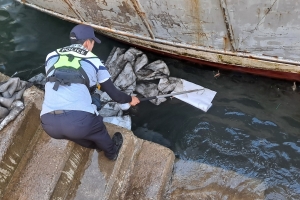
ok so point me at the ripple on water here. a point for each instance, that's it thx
(267, 123)
(266, 159)
(4, 16)
(293, 146)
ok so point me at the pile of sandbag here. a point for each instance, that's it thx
(131, 72)
(11, 100)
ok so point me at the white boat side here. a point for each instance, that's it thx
(259, 37)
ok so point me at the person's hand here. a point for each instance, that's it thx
(134, 101)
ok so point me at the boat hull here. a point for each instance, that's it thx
(262, 38)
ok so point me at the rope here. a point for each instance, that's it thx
(27, 70)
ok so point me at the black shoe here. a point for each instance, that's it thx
(118, 141)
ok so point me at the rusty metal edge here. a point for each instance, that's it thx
(201, 53)
(74, 10)
(137, 6)
(228, 24)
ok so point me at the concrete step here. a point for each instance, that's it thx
(151, 173)
(13, 144)
(17, 136)
(39, 169)
(35, 166)
(193, 181)
(72, 173)
(141, 171)
(103, 178)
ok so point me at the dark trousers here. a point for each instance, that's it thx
(83, 128)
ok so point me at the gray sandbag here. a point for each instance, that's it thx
(148, 90)
(167, 85)
(15, 110)
(159, 66)
(11, 93)
(6, 102)
(126, 78)
(131, 54)
(155, 70)
(114, 54)
(38, 79)
(103, 96)
(111, 109)
(3, 112)
(19, 94)
(140, 62)
(7, 88)
(117, 67)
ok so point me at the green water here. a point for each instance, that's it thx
(252, 127)
(27, 36)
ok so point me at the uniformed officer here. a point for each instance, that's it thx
(67, 110)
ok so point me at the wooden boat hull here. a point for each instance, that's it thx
(259, 37)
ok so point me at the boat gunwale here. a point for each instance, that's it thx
(293, 66)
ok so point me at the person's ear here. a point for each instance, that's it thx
(91, 44)
(88, 44)
(85, 44)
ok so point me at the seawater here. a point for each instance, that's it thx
(252, 127)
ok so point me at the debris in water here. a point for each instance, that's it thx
(294, 87)
(217, 74)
